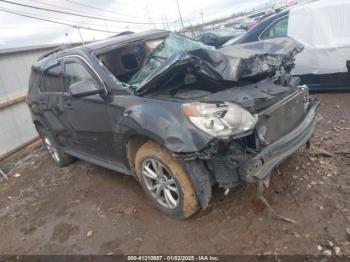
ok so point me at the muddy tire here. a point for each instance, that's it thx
(165, 181)
(61, 159)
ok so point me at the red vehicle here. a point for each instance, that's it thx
(256, 21)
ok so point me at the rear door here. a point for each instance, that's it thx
(50, 99)
(89, 126)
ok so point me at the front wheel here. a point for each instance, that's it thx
(165, 181)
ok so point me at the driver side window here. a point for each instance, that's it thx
(76, 73)
(278, 29)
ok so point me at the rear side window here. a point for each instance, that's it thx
(75, 73)
(52, 80)
(34, 78)
(278, 29)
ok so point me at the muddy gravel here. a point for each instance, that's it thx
(85, 209)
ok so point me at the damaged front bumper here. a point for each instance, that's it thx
(259, 167)
(228, 163)
(227, 166)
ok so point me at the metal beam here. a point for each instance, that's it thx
(18, 148)
(11, 102)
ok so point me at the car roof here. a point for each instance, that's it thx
(122, 39)
(274, 16)
(98, 45)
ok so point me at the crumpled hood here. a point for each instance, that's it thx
(253, 97)
(230, 64)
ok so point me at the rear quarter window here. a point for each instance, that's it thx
(51, 81)
(34, 78)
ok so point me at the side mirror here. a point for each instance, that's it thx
(85, 88)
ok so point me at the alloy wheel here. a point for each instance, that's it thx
(52, 150)
(161, 183)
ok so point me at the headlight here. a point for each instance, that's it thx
(220, 120)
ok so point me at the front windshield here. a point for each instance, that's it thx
(160, 50)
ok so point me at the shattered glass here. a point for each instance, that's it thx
(169, 46)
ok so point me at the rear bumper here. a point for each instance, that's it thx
(259, 167)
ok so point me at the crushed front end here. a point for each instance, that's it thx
(279, 131)
(277, 116)
(242, 112)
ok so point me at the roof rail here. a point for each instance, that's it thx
(56, 50)
(123, 33)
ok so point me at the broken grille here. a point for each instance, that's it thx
(281, 118)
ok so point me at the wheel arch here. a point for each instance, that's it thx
(132, 146)
(38, 125)
(164, 124)
(196, 170)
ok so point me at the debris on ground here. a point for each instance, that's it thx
(264, 200)
(348, 232)
(330, 244)
(327, 252)
(125, 210)
(337, 251)
(2, 173)
(89, 234)
(323, 152)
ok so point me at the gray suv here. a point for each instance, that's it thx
(174, 113)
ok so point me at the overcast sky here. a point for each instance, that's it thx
(22, 31)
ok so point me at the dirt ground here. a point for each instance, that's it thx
(85, 209)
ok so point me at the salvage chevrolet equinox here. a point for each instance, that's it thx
(174, 113)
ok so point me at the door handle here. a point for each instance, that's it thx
(42, 103)
(68, 106)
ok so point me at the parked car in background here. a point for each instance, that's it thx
(237, 26)
(252, 23)
(272, 27)
(256, 21)
(218, 37)
(322, 27)
(174, 113)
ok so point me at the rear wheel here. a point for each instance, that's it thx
(165, 181)
(60, 158)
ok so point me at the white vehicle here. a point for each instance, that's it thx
(323, 28)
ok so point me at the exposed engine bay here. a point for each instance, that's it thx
(178, 67)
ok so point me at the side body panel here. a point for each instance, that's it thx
(47, 107)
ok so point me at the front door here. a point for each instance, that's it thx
(89, 127)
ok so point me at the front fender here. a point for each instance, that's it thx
(165, 124)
